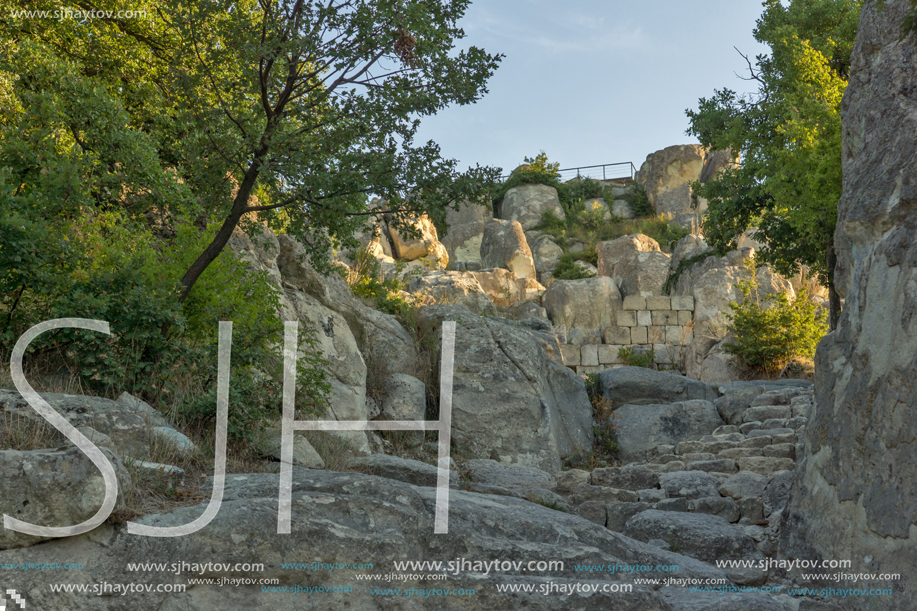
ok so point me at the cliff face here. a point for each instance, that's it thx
(856, 496)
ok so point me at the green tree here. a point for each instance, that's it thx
(292, 109)
(789, 136)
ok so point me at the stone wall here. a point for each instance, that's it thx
(663, 324)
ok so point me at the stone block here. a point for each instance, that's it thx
(665, 317)
(608, 354)
(634, 302)
(626, 318)
(683, 303)
(589, 355)
(658, 303)
(656, 335)
(644, 318)
(765, 465)
(639, 335)
(618, 335)
(678, 335)
(588, 370)
(661, 354)
(685, 317)
(570, 354)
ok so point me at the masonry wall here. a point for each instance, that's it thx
(662, 324)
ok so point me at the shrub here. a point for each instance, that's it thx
(631, 359)
(605, 433)
(567, 269)
(537, 171)
(767, 336)
(639, 201)
(368, 282)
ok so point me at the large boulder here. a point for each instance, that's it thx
(642, 386)
(417, 239)
(345, 518)
(510, 402)
(670, 168)
(404, 398)
(506, 289)
(705, 537)
(546, 253)
(588, 304)
(504, 245)
(53, 488)
(527, 204)
(854, 494)
(462, 239)
(636, 263)
(460, 288)
(643, 427)
(688, 247)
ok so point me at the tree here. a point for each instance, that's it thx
(294, 110)
(789, 136)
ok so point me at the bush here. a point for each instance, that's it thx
(369, 283)
(631, 359)
(639, 201)
(537, 171)
(567, 269)
(768, 336)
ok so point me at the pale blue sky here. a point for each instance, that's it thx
(592, 82)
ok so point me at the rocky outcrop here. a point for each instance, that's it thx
(462, 239)
(510, 402)
(670, 168)
(527, 203)
(642, 428)
(461, 288)
(588, 304)
(636, 264)
(418, 239)
(506, 289)
(504, 245)
(854, 496)
(546, 253)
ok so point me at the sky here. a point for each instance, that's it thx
(593, 82)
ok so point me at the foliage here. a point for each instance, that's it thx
(788, 135)
(369, 282)
(768, 335)
(632, 359)
(567, 269)
(639, 201)
(293, 112)
(605, 446)
(537, 171)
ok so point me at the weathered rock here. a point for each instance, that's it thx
(589, 304)
(705, 537)
(744, 485)
(527, 203)
(404, 397)
(504, 245)
(641, 427)
(635, 263)
(765, 465)
(463, 242)
(689, 484)
(452, 288)
(725, 508)
(53, 488)
(604, 494)
(718, 366)
(349, 515)
(567, 481)
(670, 168)
(625, 478)
(304, 455)
(618, 513)
(594, 511)
(424, 244)
(778, 491)
(505, 289)
(639, 385)
(400, 469)
(514, 477)
(688, 247)
(166, 436)
(684, 599)
(622, 209)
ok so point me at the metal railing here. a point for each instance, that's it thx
(623, 171)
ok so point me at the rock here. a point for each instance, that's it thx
(53, 488)
(705, 537)
(641, 427)
(635, 263)
(463, 242)
(765, 465)
(404, 398)
(304, 455)
(567, 481)
(520, 479)
(604, 494)
(670, 168)
(175, 441)
(546, 253)
(686, 248)
(401, 469)
(594, 511)
(546, 498)
(127, 422)
(527, 203)
(452, 288)
(725, 508)
(744, 485)
(675, 202)
(618, 513)
(676, 504)
(778, 491)
(684, 599)
(722, 465)
(622, 209)
(599, 206)
(589, 304)
(625, 478)
(351, 515)
(639, 385)
(689, 484)
(504, 245)
(379, 336)
(423, 244)
(510, 400)
(505, 289)
(100, 439)
(468, 212)
(716, 162)
(719, 367)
